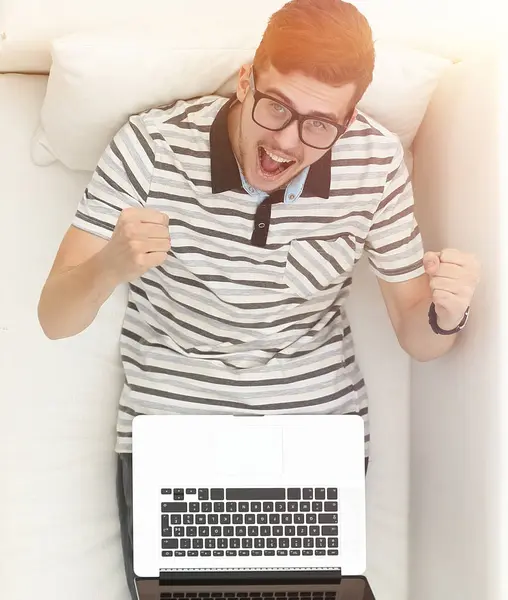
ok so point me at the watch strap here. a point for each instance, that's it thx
(434, 324)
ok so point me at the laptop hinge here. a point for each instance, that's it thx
(254, 577)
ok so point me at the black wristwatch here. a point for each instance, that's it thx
(438, 330)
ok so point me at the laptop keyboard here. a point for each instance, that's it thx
(289, 595)
(202, 522)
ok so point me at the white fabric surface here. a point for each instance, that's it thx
(58, 400)
(99, 79)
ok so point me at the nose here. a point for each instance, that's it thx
(288, 138)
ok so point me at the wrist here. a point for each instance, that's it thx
(105, 270)
(446, 326)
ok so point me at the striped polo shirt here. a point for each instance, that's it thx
(225, 326)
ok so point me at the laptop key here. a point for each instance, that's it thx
(332, 494)
(271, 542)
(243, 507)
(216, 531)
(204, 531)
(230, 552)
(255, 506)
(194, 507)
(262, 519)
(174, 507)
(295, 553)
(274, 519)
(179, 531)
(302, 530)
(326, 518)
(259, 543)
(331, 530)
(206, 507)
(280, 506)
(188, 519)
(192, 553)
(294, 494)
(167, 531)
(225, 519)
(178, 494)
(317, 507)
(213, 519)
(180, 553)
(234, 543)
(266, 531)
(205, 553)
(256, 553)
(277, 531)
(333, 542)
(331, 507)
(320, 542)
(320, 493)
(197, 544)
(250, 519)
(191, 531)
(320, 552)
(269, 552)
(307, 552)
(311, 518)
(256, 494)
(282, 552)
(238, 519)
(231, 507)
(228, 531)
(218, 552)
(170, 544)
(200, 519)
(241, 531)
(314, 530)
(308, 494)
(289, 530)
(185, 544)
(210, 543)
(176, 519)
(166, 491)
(305, 506)
(292, 506)
(299, 519)
(296, 542)
(308, 543)
(287, 519)
(283, 542)
(267, 506)
(167, 553)
(217, 494)
(253, 531)
(243, 553)
(222, 543)
(203, 494)
(219, 507)
(247, 543)
(333, 552)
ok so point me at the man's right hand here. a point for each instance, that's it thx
(140, 242)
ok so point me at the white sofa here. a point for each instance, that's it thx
(436, 507)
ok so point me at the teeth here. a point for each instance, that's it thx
(277, 158)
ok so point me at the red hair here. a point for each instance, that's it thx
(328, 40)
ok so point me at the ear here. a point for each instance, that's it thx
(243, 84)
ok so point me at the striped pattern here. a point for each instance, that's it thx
(226, 327)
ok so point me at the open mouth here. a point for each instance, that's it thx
(272, 165)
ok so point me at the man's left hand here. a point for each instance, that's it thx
(453, 276)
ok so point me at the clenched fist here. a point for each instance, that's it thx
(140, 242)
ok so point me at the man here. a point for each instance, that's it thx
(238, 223)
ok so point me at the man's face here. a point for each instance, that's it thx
(259, 151)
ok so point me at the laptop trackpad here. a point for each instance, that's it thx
(253, 450)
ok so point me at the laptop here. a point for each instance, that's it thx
(234, 507)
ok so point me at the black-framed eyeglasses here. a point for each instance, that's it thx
(272, 114)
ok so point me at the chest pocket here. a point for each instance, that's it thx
(314, 265)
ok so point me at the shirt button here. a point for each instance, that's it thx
(261, 225)
(251, 190)
(291, 196)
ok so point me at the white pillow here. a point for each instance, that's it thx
(99, 79)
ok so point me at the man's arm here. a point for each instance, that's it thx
(450, 281)
(115, 238)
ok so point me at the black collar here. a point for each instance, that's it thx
(224, 168)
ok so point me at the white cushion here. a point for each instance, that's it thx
(99, 79)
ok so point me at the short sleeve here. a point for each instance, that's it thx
(121, 180)
(394, 245)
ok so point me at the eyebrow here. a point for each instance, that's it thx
(314, 113)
